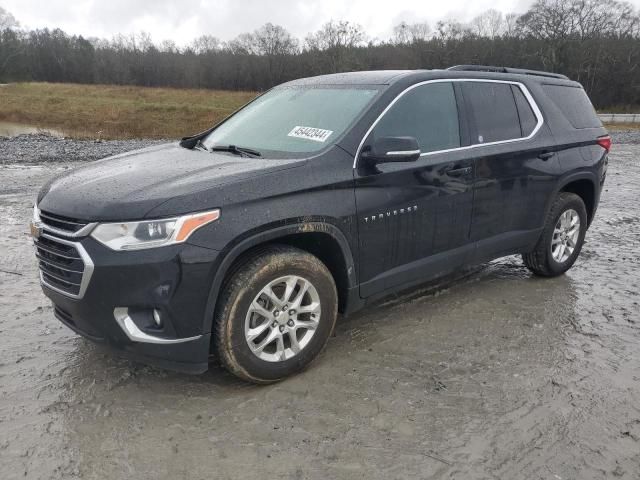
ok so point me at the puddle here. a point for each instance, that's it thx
(497, 375)
(11, 129)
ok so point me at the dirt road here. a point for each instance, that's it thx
(496, 375)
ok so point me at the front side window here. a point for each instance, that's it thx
(427, 112)
(494, 112)
(293, 120)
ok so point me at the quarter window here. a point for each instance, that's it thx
(574, 104)
(493, 110)
(528, 120)
(428, 112)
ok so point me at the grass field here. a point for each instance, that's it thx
(111, 111)
(108, 111)
(617, 127)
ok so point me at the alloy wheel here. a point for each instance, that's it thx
(282, 318)
(565, 235)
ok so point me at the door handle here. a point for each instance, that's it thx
(546, 155)
(458, 172)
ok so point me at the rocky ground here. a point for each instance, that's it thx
(43, 148)
(494, 375)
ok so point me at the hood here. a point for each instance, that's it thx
(128, 186)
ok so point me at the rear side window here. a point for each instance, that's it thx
(528, 120)
(428, 112)
(494, 112)
(574, 105)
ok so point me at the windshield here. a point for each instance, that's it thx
(293, 119)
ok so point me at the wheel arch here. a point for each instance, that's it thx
(585, 188)
(583, 184)
(322, 239)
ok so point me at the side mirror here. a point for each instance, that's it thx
(392, 149)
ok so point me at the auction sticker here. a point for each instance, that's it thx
(310, 133)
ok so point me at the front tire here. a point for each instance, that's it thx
(276, 314)
(561, 239)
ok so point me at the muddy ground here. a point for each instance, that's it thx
(496, 375)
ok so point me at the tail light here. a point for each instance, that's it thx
(605, 142)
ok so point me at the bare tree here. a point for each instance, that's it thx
(7, 20)
(272, 43)
(624, 20)
(549, 19)
(342, 34)
(275, 44)
(206, 43)
(11, 46)
(447, 30)
(490, 24)
(562, 19)
(142, 40)
(596, 42)
(333, 46)
(406, 33)
(243, 44)
(511, 28)
(267, 40)
(605, 18)
(168, 46)
(274, 40)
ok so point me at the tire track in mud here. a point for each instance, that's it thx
(493, 374)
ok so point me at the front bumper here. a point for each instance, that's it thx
(125, 287)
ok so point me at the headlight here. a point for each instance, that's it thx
(151, 233)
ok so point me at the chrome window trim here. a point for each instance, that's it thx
(131, 330)
(86, 275)
(523, 88)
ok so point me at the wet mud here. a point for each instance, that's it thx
(496, 374)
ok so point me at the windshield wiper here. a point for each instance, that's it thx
(245, 152)
(200, 146)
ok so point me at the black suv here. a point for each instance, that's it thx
(318, 197)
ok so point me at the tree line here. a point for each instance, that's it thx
(596, 42)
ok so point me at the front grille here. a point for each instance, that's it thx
(63, 265)
(59, 222)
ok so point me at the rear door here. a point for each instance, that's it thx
(414, 217)
(515, 166)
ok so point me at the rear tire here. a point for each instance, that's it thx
(561, 239)
(275, 314)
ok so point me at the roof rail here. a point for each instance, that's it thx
(519, 71)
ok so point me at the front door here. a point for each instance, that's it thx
(414, 217)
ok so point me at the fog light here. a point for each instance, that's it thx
(135, 334)
(156, 317)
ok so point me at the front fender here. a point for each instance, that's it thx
(236, 248)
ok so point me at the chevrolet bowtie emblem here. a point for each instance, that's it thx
(36, 229)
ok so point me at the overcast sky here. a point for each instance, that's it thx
(183, 20)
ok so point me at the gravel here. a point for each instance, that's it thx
(629, 137)
(497, 375)
(40, 148)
